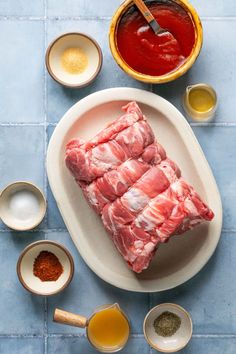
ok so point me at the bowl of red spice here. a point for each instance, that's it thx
(45, 268)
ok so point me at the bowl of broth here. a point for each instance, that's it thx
(107, 328)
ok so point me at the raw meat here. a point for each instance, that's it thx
(138, 191)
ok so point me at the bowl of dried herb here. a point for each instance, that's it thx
(168, 328)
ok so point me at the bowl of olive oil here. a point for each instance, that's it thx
(200, 102)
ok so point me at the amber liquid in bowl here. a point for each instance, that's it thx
(108, 329)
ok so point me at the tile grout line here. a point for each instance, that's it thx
(58, 335)
(21, 18)
(55, 18)
(50, 124)
(212, 335)
(45, 329)
(95, 18)
(45, 173)
(83, 335)
(45, 112)
(150, 304)
(50, 230)
(79, 18)
(211, 124)
(21, 336)
(23, 124)
(217, 18)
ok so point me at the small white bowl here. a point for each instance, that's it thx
(25, 266)
(168, 344)
(74, 40)
(6, 214)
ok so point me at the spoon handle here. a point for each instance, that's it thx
(147, 15)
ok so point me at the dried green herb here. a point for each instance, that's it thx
(167, 324)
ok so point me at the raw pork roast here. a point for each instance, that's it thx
(138, 191)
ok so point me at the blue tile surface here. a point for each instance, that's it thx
(89, 9)
(210, 296)
(82, 8)
(22, 154)
(60, 99)
(22, 8)
(209, 346)
(22, 71)
(28, 96)
(207, 69)
(21, 312)
(81, 299)
(81, 346)
(22, 345)
(54, 219)
(219, 144)
(219, 8)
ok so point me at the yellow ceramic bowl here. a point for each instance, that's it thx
(166, 77)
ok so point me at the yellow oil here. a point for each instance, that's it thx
(201, 100)
(108, 328)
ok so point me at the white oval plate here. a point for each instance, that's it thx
(176, 261)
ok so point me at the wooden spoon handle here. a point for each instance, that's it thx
(69, 318)
(144, 10)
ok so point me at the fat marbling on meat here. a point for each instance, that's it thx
(137, 190)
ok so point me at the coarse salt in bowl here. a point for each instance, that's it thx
(22, 206)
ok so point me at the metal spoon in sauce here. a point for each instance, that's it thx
(157, 29)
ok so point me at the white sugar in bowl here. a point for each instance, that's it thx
(22, 206)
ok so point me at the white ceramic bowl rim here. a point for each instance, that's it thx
(164, 306)
(54, 167)
(67, 84)
(37, 191)
(41, 242)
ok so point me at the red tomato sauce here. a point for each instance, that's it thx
(152, 54)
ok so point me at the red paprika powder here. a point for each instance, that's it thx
(47, 266)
